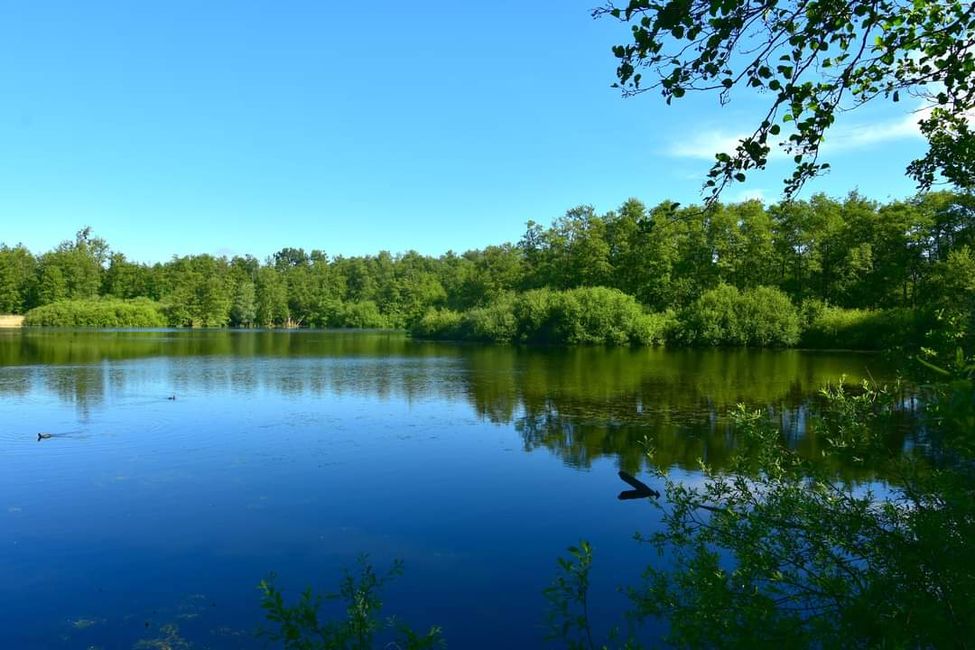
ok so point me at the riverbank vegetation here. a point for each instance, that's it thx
(819, 273)
(583, 315)
(107, 312)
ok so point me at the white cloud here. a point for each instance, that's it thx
(865, 134)
(704, 144)
(862, 135)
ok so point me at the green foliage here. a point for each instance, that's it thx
(589, 315)
(97, 313)
(810, 61)
(199, 292)
(568, 599)
(913, 256)
(300, 626)
(761, 317)
(360, 315)
(827, 327)
(494, 322)
(438, 324)
(73, 270)
(568, 614)
(598, 315)
(243, 309)
(954, 283)
(17, 279)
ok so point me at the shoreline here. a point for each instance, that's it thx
(10, 321)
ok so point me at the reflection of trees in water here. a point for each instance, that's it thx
(70, 363)
(54, 346)
(580, 403)
(587, 403)
(83, 386)
(580, 439)
(682, 437)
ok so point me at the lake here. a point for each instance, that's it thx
(148, 522)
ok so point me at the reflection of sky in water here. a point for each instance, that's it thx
(143, 512)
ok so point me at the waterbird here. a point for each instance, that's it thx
(44, 436)
(640, 489)
(171, 398)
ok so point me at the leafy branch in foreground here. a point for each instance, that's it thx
(774, 551)
(568, 603)
(813, 59)
(300, 626)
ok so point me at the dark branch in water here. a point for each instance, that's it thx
(640, 489)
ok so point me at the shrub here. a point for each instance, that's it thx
(495, 322)
(595, 315)
(304, 625)
(535, 317)
(360, 315)
(140, 312)
(763, 317)
(768, 318)
(712, 319)
(653, 328)
(438, 324)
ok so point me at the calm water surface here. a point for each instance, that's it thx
(145, 521)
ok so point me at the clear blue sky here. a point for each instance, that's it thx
(243, 127)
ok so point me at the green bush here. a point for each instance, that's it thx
(762, 317)
(495, 322)
(712, 319)
(442, 324)
(591, 315)
(653, 328)
(534, 312)
(768, 318)
(361, 315)
(140, 312)
(595, 315)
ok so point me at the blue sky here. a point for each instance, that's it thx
(243, 127)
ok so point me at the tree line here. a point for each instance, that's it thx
(822, 253)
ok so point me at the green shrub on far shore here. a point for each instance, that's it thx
(594, 315)
(759, 317)
(140, 312)
(360, 315)
(441, 324)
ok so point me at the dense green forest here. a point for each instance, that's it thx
(816, 272)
